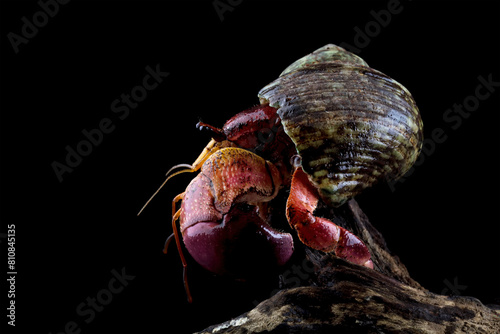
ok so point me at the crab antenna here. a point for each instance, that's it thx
(207, 151)
(189, 168)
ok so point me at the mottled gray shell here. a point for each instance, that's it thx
(352, 125)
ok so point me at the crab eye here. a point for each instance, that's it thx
(296, 161)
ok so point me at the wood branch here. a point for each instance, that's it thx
(345, 298)
(351, 216)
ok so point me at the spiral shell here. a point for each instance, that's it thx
(351, 125)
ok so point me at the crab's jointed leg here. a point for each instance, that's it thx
(175, 217)
(321, 233)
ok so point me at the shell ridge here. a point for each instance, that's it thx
(352, 125)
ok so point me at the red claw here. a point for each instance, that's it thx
(321, 233)
(241, 245)
(220, 222)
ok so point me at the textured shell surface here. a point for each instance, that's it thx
(352, 125)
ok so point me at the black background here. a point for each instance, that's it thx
(442, 221)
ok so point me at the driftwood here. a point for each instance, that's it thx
(346, 298)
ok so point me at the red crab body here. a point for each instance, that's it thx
(224, 218)
(328, 127)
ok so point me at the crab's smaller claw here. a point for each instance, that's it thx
(321, 233)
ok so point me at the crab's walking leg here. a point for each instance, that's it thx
(175, 217)
(321, 233)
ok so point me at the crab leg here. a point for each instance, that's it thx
(175, 216)
(321, 233)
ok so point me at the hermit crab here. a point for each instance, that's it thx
(327, 128)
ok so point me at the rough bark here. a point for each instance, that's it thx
(346, 298)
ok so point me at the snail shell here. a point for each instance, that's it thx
(351, 125)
